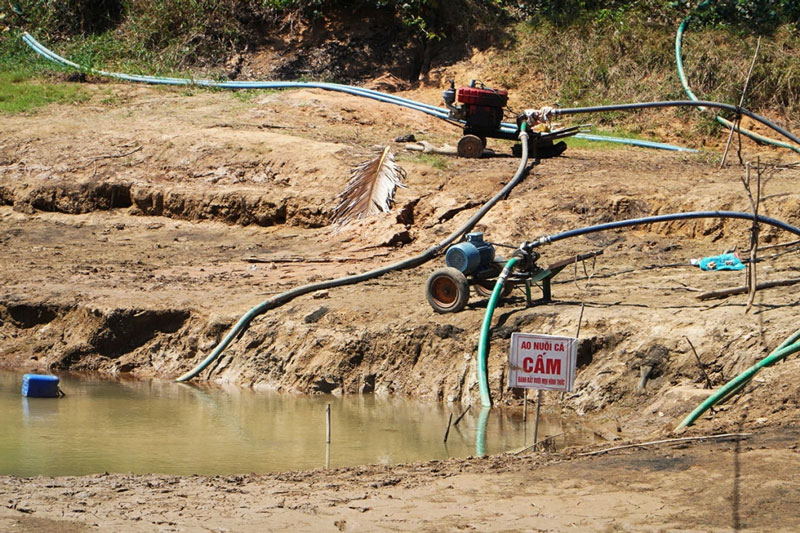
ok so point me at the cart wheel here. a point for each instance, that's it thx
(485, 288)
(447, 290)
(470, 146)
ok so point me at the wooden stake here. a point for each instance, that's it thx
(536, 422)
(328, 424)
(455, 424)
(447, 432)
(751, 281)
(328, 436)
(524, 417)
(524, 406)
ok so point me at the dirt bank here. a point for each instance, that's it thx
(137, 227)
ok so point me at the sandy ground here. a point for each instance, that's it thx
(137, 227)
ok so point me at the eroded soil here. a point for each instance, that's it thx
(138, 227)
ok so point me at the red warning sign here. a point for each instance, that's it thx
(542, 362)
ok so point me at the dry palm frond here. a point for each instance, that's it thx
(371, 189)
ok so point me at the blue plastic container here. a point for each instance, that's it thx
(40, 386)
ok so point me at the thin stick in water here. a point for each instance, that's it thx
(455, 424)
(328, 424)
(447, 432)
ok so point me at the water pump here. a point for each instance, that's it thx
(471, 256)
(480, 109)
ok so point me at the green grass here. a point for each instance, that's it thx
(18, 93)
(436, 161)
(248, 95)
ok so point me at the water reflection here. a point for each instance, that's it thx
(165, 427)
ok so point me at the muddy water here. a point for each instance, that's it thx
(170, 428)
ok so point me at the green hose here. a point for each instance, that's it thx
(727, 123)
(483, 343)
(789, 346)
(480, 432)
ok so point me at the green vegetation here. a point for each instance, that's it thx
(570, 52)
(436, 161)
(18, 93)
(630, 57)
(252, 94)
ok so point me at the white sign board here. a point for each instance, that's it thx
(542, 362)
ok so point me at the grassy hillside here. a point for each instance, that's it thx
(567, 51)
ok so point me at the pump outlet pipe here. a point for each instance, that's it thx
(789, 346)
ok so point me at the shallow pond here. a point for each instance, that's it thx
(171, 428)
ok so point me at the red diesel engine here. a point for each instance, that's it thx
(481, 109)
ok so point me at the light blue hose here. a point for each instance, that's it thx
(438, 112)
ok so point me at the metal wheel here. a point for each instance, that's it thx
(447, 290)
(485, 288)
(470, 146)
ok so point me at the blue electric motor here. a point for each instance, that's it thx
(470, 256)
(40, 386)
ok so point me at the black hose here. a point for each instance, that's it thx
(427, 255)
(661, 218)
(677, 103)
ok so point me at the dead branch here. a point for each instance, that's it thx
(539, 444)
(116, 156)
(779, 245)
(686, 287)
(699, 363)
(455, 424)
(737, 121)
(295, 260)
(722, 293)
(668, 441)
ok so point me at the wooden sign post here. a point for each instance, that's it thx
(542, 362)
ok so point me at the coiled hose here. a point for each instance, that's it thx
(427, 255)
(483, 342)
